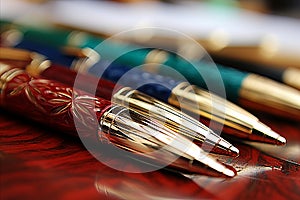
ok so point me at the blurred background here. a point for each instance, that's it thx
(257, 31)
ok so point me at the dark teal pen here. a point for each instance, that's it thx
(248, 90)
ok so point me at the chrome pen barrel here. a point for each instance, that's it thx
(174, 119)
(136, 133)
(159, 111)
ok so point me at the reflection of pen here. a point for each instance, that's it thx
(237, 122)
(62, 107)
(249, 90)
(174, 119)
(148, 186)
(287, 75)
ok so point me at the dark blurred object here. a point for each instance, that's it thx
(283, 5)
(289, 8)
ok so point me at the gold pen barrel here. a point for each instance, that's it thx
(174, 119)
(211, 108)
(291, 76)
(260, 93)
(222, 115)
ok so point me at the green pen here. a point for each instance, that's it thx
(249, 90)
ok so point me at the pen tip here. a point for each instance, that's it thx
(281, 140)
(235, 151)
(229, 172)
(223, 147)
(263, 133)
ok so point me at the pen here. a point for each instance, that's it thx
(135, 100)
(237, 122)
(287, 75)
(249, 90)
(59, 106)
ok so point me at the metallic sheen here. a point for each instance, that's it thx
(236, 120)
(291, 77)
(153, 140)
(175, 120)
(281, 99)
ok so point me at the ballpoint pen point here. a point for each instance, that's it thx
(224, 148)
(267, 135)
(282, 140)
(235, 151)
(229, 172)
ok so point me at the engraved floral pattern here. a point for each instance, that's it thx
(33, 94)
(53, 99)
(83, 109)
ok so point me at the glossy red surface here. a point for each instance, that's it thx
(38, 163)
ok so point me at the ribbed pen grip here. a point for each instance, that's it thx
(49, 102)
(154, 85)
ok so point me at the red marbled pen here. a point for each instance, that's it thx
(74, 111)
(178, 121)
